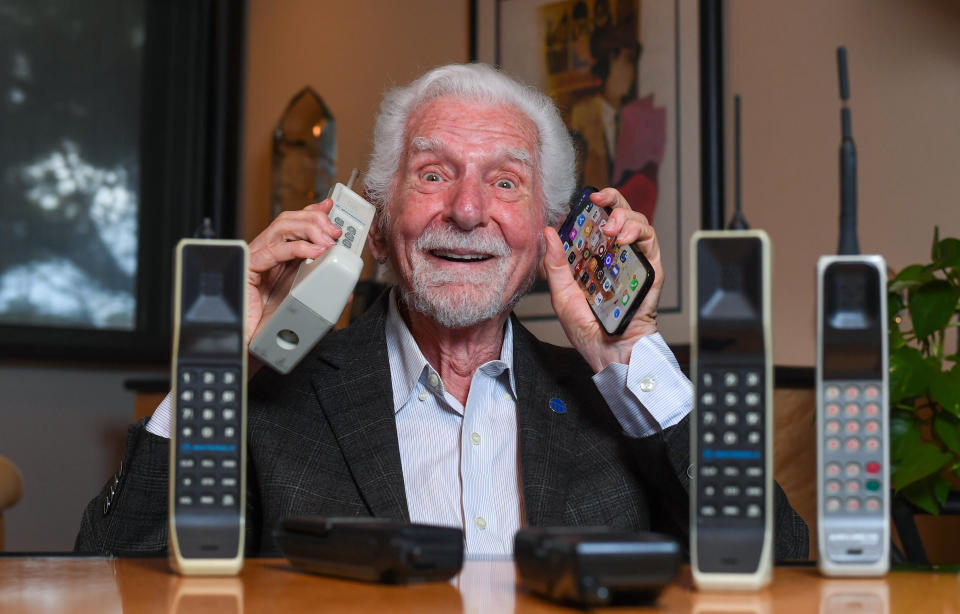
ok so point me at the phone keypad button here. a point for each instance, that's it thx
(731, 510)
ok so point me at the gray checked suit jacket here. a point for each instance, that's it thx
(323, 440)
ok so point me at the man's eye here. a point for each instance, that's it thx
(506, 184)
(431, 177)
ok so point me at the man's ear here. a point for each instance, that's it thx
(377, 240)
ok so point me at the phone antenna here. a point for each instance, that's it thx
(737, 222)
(848, 243)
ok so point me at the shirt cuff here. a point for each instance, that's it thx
(650, 394)
(159, 422)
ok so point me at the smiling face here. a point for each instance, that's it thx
(464, 224)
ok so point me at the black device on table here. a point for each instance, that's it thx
(595, 566)
(614, 278)
(208, 427)
(371, 549)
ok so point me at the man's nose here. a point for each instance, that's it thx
(468, 206)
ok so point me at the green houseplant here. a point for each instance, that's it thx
(924, 379)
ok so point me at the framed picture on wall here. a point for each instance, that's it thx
(625, 76)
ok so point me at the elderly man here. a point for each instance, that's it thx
(437, 406)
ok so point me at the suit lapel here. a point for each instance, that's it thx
(353, 386)
(545, 437)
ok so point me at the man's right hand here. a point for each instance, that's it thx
(292, 237)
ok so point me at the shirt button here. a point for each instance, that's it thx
(423, 395)
(481, 523)
(647, 384)
(434, 380)
(475, 438)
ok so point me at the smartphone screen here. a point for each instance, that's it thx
(614, 278)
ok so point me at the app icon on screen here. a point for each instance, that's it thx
(634, 283)
(598, 299)
(578, 268)
(608, 260)
(586, 254)
(573, 234)
(571, 257)
(591, 289)
(592, 265)
(623, 256)
(584, 278)
(615, 270)
(601, 250)
(581, 219)
(566, 246)
(625, 298)
(606, 285)
(616, 312)
(600, 274)
(587, 229)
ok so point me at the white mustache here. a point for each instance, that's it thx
(475, 241)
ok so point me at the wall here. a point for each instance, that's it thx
(349, 52)
(64, 427)
(904, 60)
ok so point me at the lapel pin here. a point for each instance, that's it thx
(558, 406)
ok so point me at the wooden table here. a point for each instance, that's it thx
(133, 585)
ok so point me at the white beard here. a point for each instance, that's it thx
(449, 299)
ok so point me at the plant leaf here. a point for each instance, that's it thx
(894, 304)
(941, 488)
(931, 306)
(910, 373)
(911, 276)
(904, 435)
(923, 495)
(948, 433)
(945, 388)
(921, 461)
(949, 253)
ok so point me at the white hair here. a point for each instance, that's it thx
(488, 85)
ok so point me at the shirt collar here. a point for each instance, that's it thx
(408, 366)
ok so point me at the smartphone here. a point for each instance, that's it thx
(615, 278)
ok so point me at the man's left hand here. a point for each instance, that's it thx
(579, 323)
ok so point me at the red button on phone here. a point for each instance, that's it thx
(873, 467)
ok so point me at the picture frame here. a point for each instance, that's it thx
(526, 39)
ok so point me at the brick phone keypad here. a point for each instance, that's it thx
(349, 230)
(852, 447)
(208, 438)
(730, 407)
